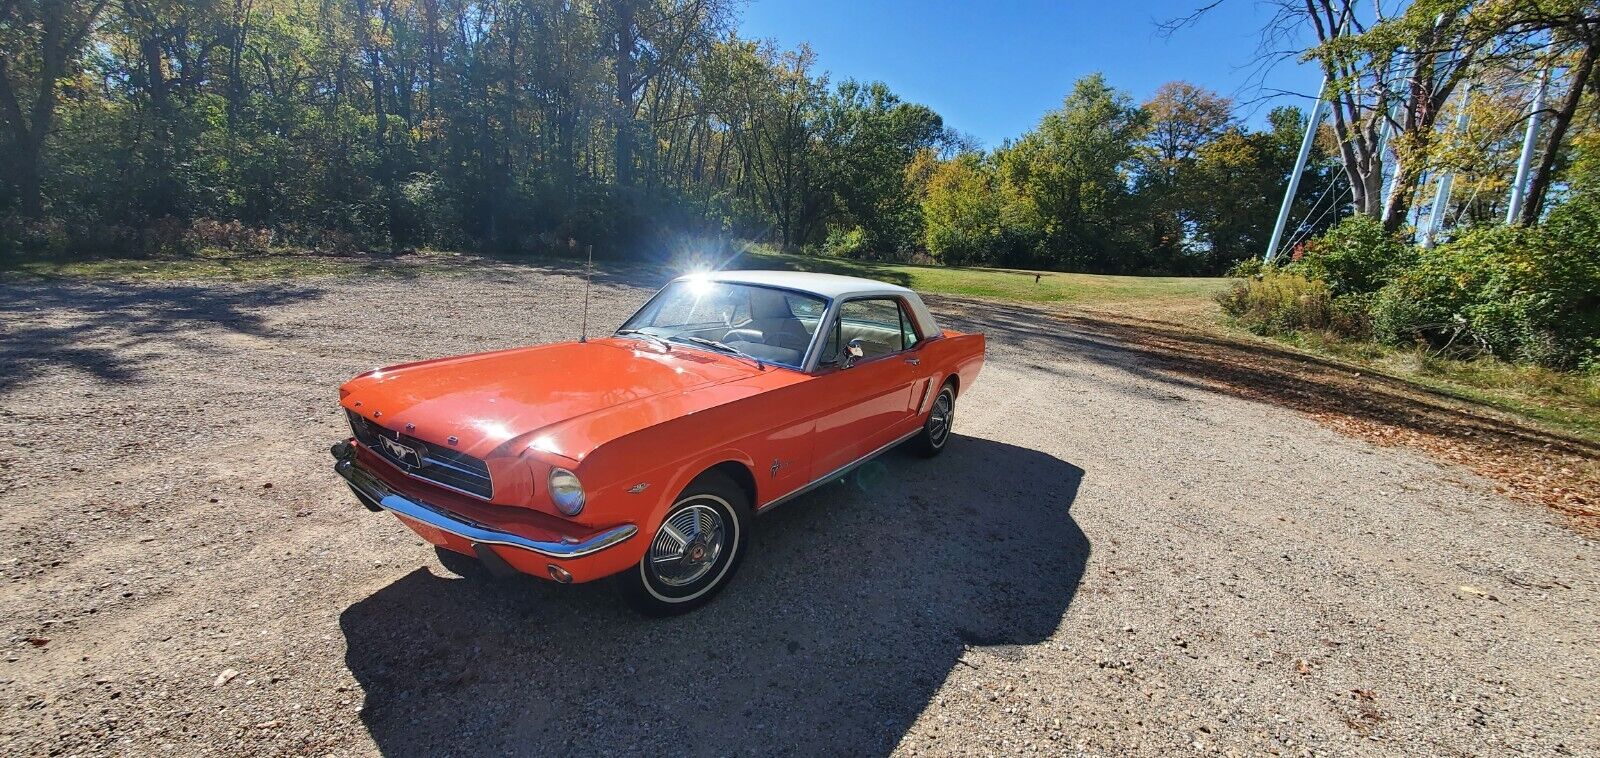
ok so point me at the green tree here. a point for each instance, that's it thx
(40, 45)
(964, 212)
(1184, 120)
(1073, 174)
(875, 138)
(1235, 186)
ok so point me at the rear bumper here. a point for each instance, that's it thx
(465, 535)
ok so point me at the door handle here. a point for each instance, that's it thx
(914, 361)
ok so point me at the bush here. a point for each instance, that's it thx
(1528, 295)
(1247, 268)
(226, 235)
(1356, 256)
(845, 242)
(1278, 302)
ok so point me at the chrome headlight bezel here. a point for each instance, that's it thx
(566, 491)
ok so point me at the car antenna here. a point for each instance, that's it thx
(588, 273)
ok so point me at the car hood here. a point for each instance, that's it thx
(489, 399)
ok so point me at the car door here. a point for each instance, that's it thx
(870, 401)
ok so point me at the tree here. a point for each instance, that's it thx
(1577, 25)
(1183, 119)
(1236, 185)
(964, 212)
(771, 105)
(875, 137)
(42, 40)
(1073, 172)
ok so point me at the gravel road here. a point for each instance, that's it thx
(1110, 559)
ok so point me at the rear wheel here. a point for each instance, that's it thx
(936, 429)
(694, 552)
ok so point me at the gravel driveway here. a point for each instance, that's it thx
(1110, 559)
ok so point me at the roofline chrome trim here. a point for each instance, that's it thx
(835, 474)
(370, 488)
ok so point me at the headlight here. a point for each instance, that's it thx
(566, 491)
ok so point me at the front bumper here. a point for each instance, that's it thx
(377, 494)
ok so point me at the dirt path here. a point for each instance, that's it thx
(1114, 557)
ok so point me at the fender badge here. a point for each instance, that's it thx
(638, 488)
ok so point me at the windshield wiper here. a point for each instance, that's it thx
(656, 338)
(721, 347)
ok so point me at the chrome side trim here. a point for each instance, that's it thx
(373, 490)
(835, 474)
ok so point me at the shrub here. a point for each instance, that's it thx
(1278, 302)
(1247, 268)
(1524, 294)
(226, 235)
(1355, 256)
(847, 242)
(163, 236)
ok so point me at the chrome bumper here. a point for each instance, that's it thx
(373, 492)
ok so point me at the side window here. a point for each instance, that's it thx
(880, 323)
(908, 328)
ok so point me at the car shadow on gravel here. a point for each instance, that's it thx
(855, 603)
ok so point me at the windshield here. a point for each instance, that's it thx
(770, 325)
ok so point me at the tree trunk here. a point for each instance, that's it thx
(60, 39)
(30, 175)
(624, 68)
(1397, 206)
(1558, 132)
(380, 136)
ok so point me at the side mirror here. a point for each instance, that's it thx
(853, 352)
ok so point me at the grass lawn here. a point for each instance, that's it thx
(999, 283)
(1562, 400)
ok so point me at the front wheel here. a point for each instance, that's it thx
(694, 552)
(936, 429)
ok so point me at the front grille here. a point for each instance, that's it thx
(424, 460)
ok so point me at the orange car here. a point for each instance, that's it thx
(644, 455)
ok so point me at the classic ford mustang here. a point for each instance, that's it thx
(644, 455)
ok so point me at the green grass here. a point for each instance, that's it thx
(142, 270)
(222, 265)
(1561, 400)
(998, 283)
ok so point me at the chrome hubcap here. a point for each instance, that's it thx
(940, 418)
(687, 545)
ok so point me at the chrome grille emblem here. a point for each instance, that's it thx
(405, 454)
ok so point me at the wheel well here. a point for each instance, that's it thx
(741, 475)
(955, 383)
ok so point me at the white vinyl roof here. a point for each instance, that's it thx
(832, 286)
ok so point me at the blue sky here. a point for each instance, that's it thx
(992, 69)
